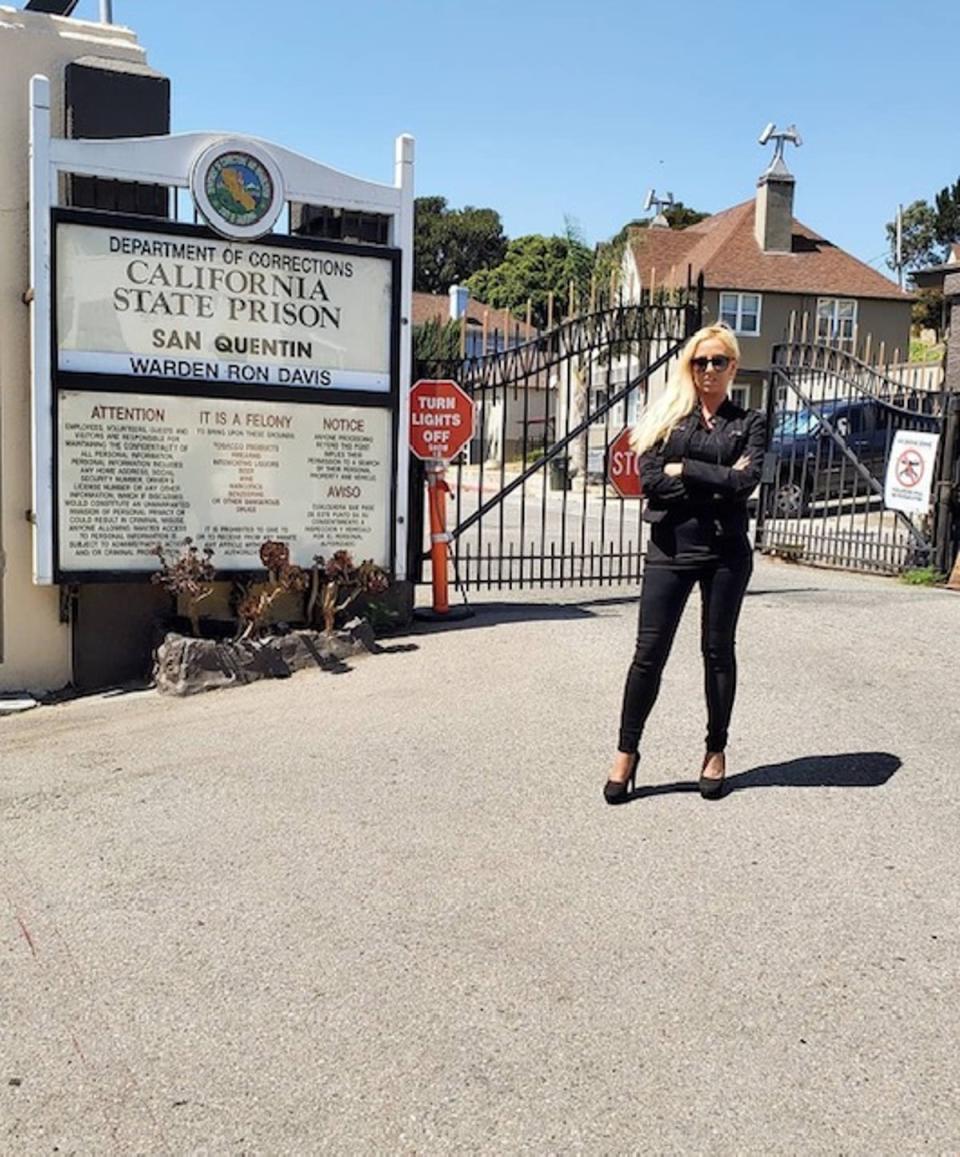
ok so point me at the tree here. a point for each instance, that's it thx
(451, 244)
(534, 267)
(918, 237)
(929, 231)
(927, 311)
(436, 343)
(947, 226)
(610, 253)
(679, 216)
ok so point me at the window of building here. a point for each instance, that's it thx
(837, 321)
(740, 396)
(741, 311)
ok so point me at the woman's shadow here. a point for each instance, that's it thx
(853, 769)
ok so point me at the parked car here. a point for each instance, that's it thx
(811, 464)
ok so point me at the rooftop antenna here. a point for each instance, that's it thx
(778, 165)
(661, 203)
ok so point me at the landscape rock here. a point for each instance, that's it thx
(185, 666)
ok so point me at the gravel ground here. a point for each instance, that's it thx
(388, 911)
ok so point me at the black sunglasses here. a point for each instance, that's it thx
(720, 362)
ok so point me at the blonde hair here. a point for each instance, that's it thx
(680, 396)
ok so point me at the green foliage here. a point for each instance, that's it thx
(680, 215)
(381, 616)
(451, 244)
(922, 576)
(928, 230)
(927, 310)
(947, 203)
(921, 351)
(609, 257)
(919, 242)
(434, 343)
(579, 260)
(534, 267)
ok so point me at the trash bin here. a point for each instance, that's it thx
(560, 473)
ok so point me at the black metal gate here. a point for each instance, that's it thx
(531, 507)
(832, 424)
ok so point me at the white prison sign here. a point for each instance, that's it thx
(187, 307)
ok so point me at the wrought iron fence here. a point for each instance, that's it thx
(531, 505)
(832, 420)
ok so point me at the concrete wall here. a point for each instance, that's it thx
(34, 644)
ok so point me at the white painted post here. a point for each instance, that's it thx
(42, 192)
(403, 240)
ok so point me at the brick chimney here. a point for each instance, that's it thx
(773, 222)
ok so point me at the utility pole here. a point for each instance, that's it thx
(900, 246)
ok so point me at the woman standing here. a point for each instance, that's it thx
(700, 458)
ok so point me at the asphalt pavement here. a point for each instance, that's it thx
(387, 911)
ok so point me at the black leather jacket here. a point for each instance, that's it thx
(708, 485)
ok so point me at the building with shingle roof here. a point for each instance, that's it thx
(764, 271)
(487, 330)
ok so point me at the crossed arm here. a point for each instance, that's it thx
(672, 481)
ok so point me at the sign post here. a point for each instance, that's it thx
(441, 424)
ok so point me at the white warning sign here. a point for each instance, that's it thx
(910, 471)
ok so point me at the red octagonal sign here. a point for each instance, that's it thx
(623, 469)
(441, 419)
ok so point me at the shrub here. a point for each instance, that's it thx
(922, 576)
(189, 577)
(340, 579)
(256, 598)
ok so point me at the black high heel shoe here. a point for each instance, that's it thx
(619, 791)
(711, 787)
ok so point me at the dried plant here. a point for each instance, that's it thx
(340, 579)
(283, 577)
(189, 577)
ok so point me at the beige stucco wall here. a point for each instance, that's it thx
(34, 645)
(885, 321)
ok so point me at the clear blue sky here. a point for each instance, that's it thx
(544, 109)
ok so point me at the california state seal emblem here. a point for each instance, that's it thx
(237, 190)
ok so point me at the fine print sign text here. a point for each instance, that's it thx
(137, 470)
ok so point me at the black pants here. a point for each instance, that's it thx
(663, 595)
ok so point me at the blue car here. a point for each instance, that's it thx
(811, 465)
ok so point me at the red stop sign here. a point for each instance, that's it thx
(441, 419)
(623, 472)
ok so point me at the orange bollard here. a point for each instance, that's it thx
(437, 491)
